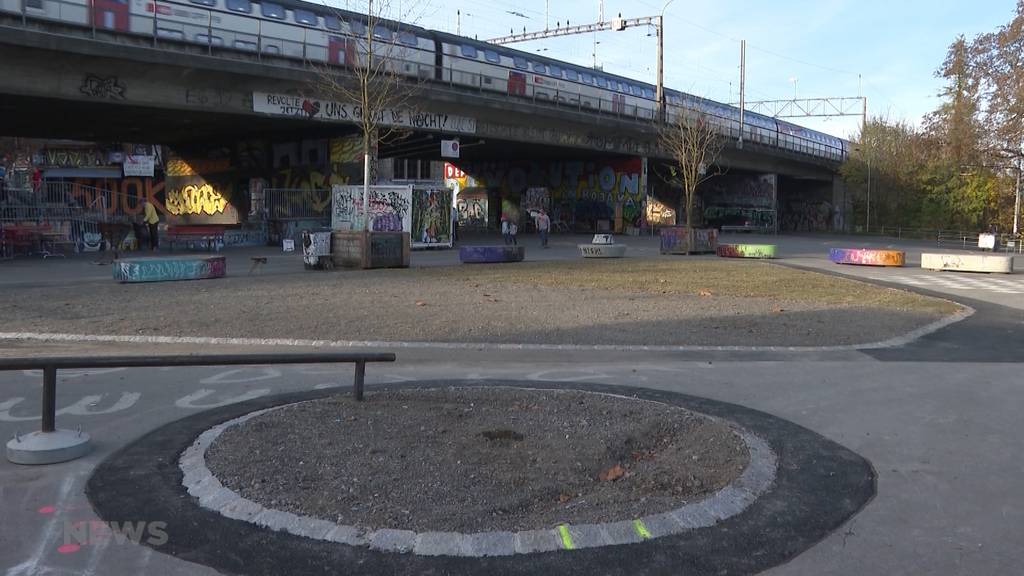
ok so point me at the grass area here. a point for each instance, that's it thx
(694, 276)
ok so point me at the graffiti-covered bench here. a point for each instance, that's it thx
(212, 236)
(166, 269)
(491, 254)
(867, 257)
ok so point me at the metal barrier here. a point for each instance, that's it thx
(51, 445)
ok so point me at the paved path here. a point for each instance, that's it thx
(942, 429)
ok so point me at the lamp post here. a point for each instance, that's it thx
(1016, 203)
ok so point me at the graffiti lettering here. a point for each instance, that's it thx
(195, 199)
(99, 87)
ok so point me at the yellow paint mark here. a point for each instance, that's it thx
(638, 525)
(563, 530)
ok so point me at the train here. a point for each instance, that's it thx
(293, 29)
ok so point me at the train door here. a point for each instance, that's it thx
(516, 83)
(619, 103)
(110, 14)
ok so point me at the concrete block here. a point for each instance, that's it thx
(968, 263)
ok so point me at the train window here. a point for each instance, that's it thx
(171, 34)
(538, 67)
(520, 62)
(243, 6)
(555, 71)
(407, 38)
(587, 78)
(572, 75)
(305, 17)
(357, 28)
(331, 23)
(623, 87)
(602, 82)
(270, 10)
(243, 45)
(381, 32)
(649, 94)
(492, 56)
(205, 2)
(34, 4)
(271, 49)
(468, 51)
(636, 91)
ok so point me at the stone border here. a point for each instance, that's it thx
(819, 485)
(731, 500)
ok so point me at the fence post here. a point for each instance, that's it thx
(49, 414)
(357, 382)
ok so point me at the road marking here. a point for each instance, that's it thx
(189, 402)
(563, 531)
(53, 531)
(84, 406)
(641, 530)
(264, 373)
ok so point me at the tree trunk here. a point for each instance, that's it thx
(689, 221)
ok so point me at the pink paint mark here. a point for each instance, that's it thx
(68, 548)
(47, 510)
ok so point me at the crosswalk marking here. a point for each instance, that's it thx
(1000, 285)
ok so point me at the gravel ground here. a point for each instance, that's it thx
(646, 302)
(471, 460)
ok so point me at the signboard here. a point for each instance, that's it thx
(449, 148)
(330, 111)
(139, 165)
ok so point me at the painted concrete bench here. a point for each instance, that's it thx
(968, 263)
(602, 246)
(866, 257)
(602, 250)
(169, 269)
(491, 254)
(746, 250)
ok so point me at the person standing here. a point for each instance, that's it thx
(152, 220)
(505, 229)
(513, 229)
(543, 227)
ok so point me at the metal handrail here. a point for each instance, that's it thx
(728, 126)
(50, 365)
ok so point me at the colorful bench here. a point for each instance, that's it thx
(169, 268)
(866, 257)
(491, 254)
(746, 251)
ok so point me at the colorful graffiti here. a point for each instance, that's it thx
(472, 207)
(389, 208)
(169, 269)
(659, 213)
(734, 200)
(680, 240)
(865, 257)
(431, 217)
(578, 191)
(746, 251)
(195, 199)
(491, 254)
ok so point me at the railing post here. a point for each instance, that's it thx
(49, 414)
(209, 31)
(357, 382)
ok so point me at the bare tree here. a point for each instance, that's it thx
(694, 144)
(380, 76)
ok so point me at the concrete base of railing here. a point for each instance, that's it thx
(968, 263)
(48, 447)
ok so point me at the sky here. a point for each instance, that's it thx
(887, 51)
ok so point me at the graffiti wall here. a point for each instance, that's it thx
(472, 207)
(806, 208)
(577, 191)
(740, 200)
(390, 208)
(200, 190)
(431, 217)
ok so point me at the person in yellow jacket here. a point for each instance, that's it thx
(152, 220)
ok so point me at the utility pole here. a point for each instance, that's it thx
(743, 82)
(458, 22)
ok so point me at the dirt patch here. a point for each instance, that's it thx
(470, 460)
(669, 301)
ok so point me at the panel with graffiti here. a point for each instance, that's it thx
(577, 191)
(472, 208)
(738, 200)
(431, 217)
(390, 208)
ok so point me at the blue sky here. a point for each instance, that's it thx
(886, 50)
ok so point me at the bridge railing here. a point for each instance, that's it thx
(253, 42)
